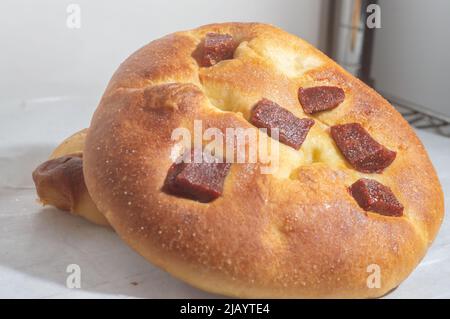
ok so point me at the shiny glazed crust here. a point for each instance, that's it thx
(294, 233)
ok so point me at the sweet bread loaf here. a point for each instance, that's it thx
(353, 187)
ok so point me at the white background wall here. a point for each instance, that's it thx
(412, 50)
(41, 57)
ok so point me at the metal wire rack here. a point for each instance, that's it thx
(350, 44)
(421, 117)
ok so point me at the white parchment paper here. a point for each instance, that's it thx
(37, 244)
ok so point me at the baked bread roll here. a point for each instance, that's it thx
(353, 191)
(60, 182)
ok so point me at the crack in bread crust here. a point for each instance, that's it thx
(301, 235)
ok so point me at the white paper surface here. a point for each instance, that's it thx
(37, 244)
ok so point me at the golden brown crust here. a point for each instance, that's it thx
(295, 233)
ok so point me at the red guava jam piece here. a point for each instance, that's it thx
(360, 149)
(320, 98)
(292, 130)
(217, 47)
(199, 181)
(376, 197)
